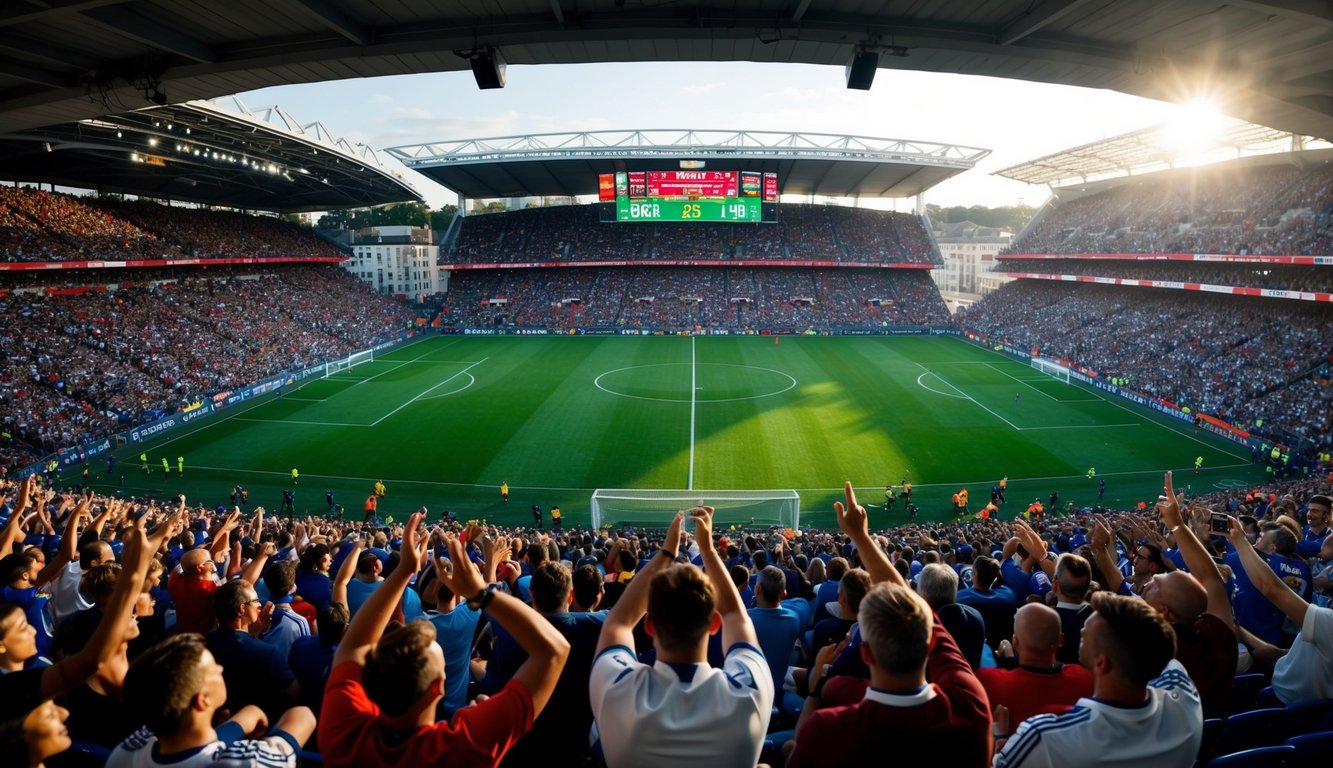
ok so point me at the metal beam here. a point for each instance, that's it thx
(152, 34)
(799, 13)
(41, 49)
(35, 75)
(1035, 18)
(44, 11)
(558, 11)
(1315, 12)
(333, 18)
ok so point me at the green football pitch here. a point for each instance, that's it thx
(445, 419)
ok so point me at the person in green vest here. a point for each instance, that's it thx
(296, 476)
(143, 459)
(1198, 464)
(166, 467)
(180, 465)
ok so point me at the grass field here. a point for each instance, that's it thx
(444, 420)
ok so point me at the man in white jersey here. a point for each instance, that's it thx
(1144, 711)
(680, 710)
(176, 686)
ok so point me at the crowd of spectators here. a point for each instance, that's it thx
(802, 232)
(1271, 276)
(128, 627)
(36, 225)
(1247, 361)
(1226, 209)
(84, 365)
(676, 298)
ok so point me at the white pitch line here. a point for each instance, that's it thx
(1024, 383)
(1083, 426)
(694, 369)
(1163, 425)
(377, 422)
(294, 421)
(966, 396)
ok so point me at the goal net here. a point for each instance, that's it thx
(653, 508)
(1051, 368)
(337, 366)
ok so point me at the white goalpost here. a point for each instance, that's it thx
(349, 362)
(1051, 368)
(653, 508)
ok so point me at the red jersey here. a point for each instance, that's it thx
(193, 599)
(480, 735)
(1029, 691)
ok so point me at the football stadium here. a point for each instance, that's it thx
(431, 433)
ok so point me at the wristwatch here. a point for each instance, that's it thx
(482, 598)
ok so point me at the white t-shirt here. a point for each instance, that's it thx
(1165, 730)
(1306, 672)
(139, 750)
(671, 714)
(66, 600)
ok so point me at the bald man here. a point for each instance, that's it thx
(1198, 607)
(1039, 684)
(191, 586)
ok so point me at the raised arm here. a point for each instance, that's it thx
(1197, 560)
(344, 575)
(1035, 546)
(1263, 578)
(854, 522)
(13, 530)
(73, 670)
(547, 649)
(69, 545)
(1100, 541)
(736, 626)
(369, 622)
(255, 568)
(619, 626)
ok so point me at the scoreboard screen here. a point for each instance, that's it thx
(720, 196)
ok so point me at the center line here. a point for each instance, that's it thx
(693, 399)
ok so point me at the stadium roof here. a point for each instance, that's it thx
(66, 60)
(806, 163)
(204, 153)
(1146, 150)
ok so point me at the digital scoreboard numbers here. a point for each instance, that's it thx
(661, 209)
(719, 196)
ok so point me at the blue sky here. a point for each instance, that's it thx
(1018, 120)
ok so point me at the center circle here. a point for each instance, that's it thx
(712, 382)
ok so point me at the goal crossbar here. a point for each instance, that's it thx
(654, 507)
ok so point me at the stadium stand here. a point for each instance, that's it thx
(1252, 275)
(1215, 209)
(36, 225)
(226, 578)
(1261, 364)
(681, 298)
(802, 233)
(101, 356)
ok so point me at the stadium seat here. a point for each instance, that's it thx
(1244, 688)
(1249, 730)
(1312, 749)
(1262, 757)
(309, 759)
(1266, 697)
(1212, 734)
(1310, 716)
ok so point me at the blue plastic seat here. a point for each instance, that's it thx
(1212, 736)
(1262, 757)
(1243, 690)
(1312, 749)
(1249, 730)
(1310, 716)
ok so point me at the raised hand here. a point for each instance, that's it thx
(852, 517)
(462, 579)
(672, 542)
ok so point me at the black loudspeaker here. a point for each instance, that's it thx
(860, 71)
(488, 68)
